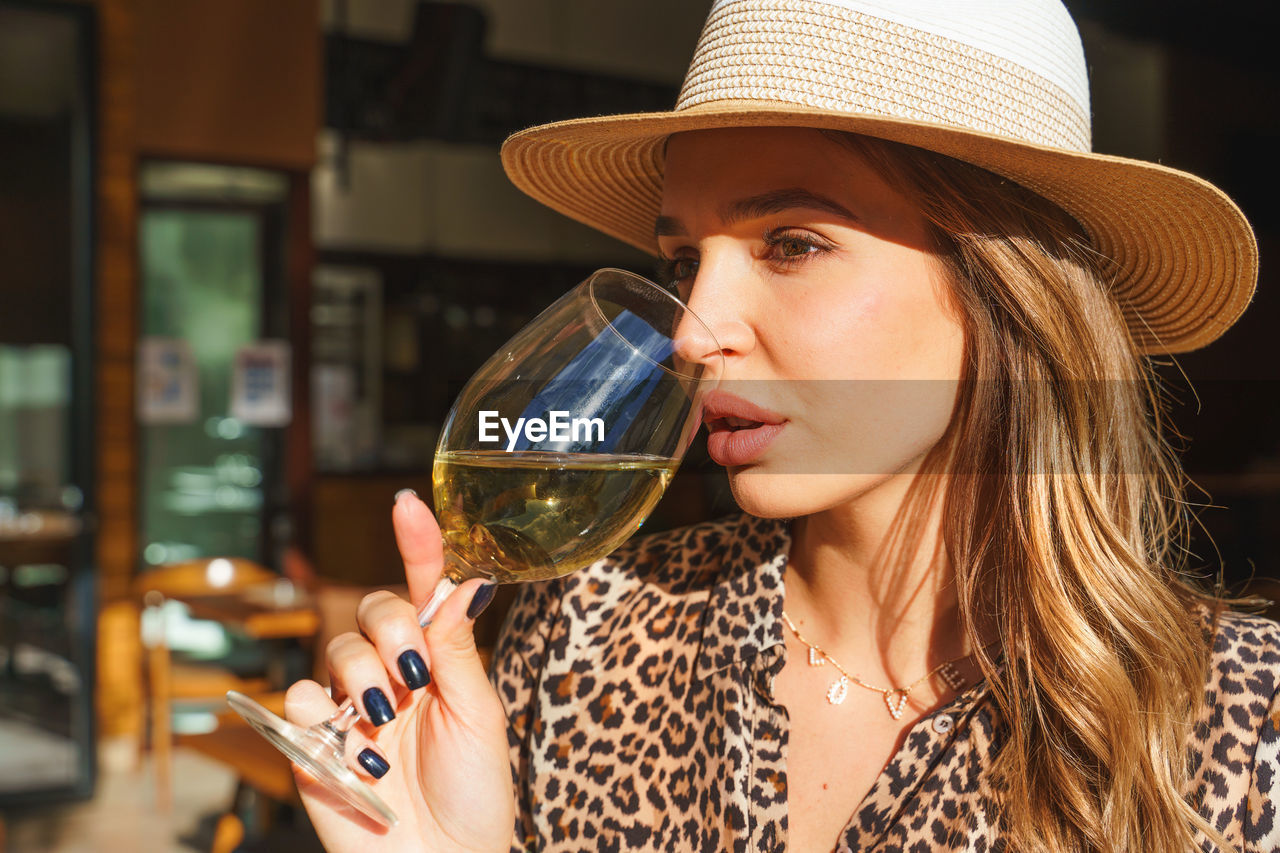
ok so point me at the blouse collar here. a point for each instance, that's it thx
(744, 609)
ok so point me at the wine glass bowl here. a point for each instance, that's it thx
(554, 453)
(561, 443)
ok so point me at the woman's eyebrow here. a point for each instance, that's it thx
(667, 226)
(764, 204)
(776, 201)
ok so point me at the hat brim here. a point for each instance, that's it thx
(1183, 259)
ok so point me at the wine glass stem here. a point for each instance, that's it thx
(347, 715)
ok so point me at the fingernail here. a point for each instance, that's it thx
(481, 599)
(414, 669)
(377, 708)
(374, 763)
(402, 493)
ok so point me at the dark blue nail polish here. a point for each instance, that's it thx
(414, 669)
(402, 493)
(481, 600)
(377, 708)
(374, 763)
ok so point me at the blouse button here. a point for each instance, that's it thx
(943, 723)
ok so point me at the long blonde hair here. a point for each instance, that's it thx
(1076, 558)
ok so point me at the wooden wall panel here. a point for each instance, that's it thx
(115, 328)
(353, 542)
(235, 81)
(116, 295)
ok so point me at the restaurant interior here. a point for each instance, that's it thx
(249, 252)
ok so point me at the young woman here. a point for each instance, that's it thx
(951, 616)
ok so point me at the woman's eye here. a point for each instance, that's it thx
(677, 273)
(791, 247)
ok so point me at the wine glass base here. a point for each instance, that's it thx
(315, 753)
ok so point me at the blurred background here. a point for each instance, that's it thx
(249, 250)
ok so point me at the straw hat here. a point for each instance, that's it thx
(997, 83)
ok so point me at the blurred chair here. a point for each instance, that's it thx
(209, 587)
(229, 589)
(224, 590)
(260, 770)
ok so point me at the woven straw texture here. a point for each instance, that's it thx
(1183, 259)
(783, 50)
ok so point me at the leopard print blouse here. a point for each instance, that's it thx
(639, 694)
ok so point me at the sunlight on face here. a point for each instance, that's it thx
(842, 351)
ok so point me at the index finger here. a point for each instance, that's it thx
(421, 546)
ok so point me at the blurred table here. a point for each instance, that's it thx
(37, 525)
(45, 620)
(258, 612)
(276, 614)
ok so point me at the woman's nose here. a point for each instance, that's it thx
(714, 328)
(696, 345)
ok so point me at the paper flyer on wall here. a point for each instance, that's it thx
(260, 384)
(168, 384)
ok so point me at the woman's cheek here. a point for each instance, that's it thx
(857, 337)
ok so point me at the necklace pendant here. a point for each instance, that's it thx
(816, 658)
(838, 690)
(951, 675)
(896, 700)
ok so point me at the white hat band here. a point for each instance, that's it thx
(830, 57)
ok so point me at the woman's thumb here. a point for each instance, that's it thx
(456, 669)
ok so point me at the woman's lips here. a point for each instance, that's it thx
(738, 431)
(732, 448)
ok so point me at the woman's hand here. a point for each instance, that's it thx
(443, 757)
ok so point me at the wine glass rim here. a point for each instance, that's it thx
(666, 294)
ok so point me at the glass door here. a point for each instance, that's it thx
(213, 312)
(47, 607)
(203, 469)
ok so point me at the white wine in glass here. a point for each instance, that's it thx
(554, 453)
(523, 515)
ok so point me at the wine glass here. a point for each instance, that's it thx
(554, 453)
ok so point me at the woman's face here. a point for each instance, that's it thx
(842, 351)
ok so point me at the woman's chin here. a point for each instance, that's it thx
(791, 495)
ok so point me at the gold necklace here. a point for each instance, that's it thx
(894, 697)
